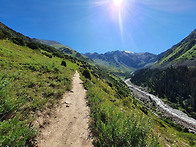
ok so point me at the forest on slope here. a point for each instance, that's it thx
(176, 85)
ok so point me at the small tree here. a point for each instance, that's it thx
(32, 45)
(86, 74)
(2, 35)
(63, 63)
(18, 41)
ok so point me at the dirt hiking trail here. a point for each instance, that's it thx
(69, 126)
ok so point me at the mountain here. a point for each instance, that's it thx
(183, 53)
(6, 32)
(64, 49)
(33, 80)
(20, 39)
(124, 59)
(47, 42)
(173, 77)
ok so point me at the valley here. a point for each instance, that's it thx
(175, 115)
(35, 76)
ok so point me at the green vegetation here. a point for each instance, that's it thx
(63, 63)
(15, 133)
(33, 78)
(177, 85)
(185, 50)
(113, 124)
(64, 49)
(29, 82)
(119, 120)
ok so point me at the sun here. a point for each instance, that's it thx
(117, 3)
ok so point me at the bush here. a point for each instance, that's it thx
(47, 54)
(32, 45)
(2, 35)
(63, 63)
(15, 133)
(86, 74)
(112, 127)
(18, 41)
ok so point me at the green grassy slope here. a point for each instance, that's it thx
(32, 82)
(34, 79)
(181, 52)
(64, 49)
(29, 82)
(117, 119)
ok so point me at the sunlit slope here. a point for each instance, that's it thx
(64, 49)
(117, 119)
(183, 53)
(30, 81)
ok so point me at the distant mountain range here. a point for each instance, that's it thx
(124, 59)
(183, 53)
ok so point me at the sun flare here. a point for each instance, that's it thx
(117, 3)
(118, 10)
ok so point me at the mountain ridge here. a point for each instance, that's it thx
(125, 59)
(183, 53)
(63, 48)
(173, 76)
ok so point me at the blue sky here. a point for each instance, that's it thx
(100, 25)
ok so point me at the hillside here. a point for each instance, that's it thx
(64, 49)
(124, 59)
(33, 79)
(6, 32)
(173, 77)
(29, 82)
(183, 53)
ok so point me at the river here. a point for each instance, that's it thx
(176, 115)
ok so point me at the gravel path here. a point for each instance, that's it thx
(69, 126)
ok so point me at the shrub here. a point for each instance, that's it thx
(86, 74)
(2, 35)
(78, 55)
(18, 41)
(47, 54)
(63, 63)
(32, 45)
(15, 133)
(112, 127)
(5, 103)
